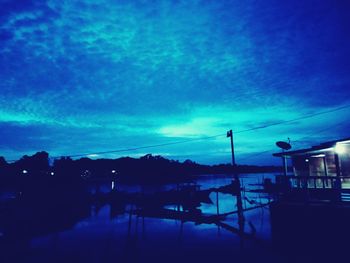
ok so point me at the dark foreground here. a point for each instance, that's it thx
(169, 223)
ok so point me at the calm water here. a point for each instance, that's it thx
(104, 234)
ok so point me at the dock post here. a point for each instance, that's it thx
(241, 220)
(217, 202)
(130, 221)
(217, 209)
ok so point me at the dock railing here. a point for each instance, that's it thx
(306, 188)
(314, 182)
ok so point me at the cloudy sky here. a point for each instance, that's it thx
(102, 75)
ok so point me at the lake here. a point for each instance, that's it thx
(101, 232)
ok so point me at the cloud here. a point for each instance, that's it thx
(91, 71)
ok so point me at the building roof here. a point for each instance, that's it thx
(326, 146)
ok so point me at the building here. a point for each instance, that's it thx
(327, 159)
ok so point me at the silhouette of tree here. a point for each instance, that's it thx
(65, 167)
(146, 169)
(37, 164)
(3, 162)
(3, 166)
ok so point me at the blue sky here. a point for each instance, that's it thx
(90, 76)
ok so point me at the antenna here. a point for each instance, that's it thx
(285, 146)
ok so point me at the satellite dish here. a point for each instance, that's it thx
(284, 145)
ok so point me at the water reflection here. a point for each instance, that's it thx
(135, 224)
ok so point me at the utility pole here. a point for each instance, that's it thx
(236, 183)
(230, 134)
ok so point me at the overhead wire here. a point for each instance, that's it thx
(207, 137)
(215, 136)
(148, 146)
(293, 120)
(293, 141)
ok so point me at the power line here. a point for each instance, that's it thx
(293, 120)
(148, 146)
(218, 135)
(209, 137)
(294, 141)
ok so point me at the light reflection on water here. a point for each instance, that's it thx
(103, 237)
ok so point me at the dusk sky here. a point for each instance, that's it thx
(91, 76)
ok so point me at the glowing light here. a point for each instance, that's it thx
(52, 173)
(24, 172)
(340, 148)
(113, 185)
(114, 171)
(318, 155)
(307, 160)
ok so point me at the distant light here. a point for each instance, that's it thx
(307, 160)
(24, 171)
(114, 171)
(86, 174)
(340, 148)
(52, 173)
(112, 185)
